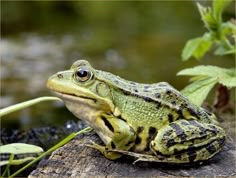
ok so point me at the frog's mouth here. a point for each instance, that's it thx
(64, 95)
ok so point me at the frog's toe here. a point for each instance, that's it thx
(94, 145)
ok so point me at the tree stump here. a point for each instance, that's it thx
(76, 160)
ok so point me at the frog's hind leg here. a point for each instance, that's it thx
(185, 141)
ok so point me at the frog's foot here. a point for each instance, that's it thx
(105, 150)
(115, 153)
(144, 157)
(94, 145)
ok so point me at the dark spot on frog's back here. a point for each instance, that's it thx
(182, 105)
(168, 92)
(147, 99)
(116, 81)
(126, 92)
(158, 104)
(163, 84)
(180, 113)
(157, 95)
(193, 113)
(132, 83)
(208, 113)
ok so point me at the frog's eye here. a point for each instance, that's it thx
(83, 75)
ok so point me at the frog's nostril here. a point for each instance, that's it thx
(59, 75)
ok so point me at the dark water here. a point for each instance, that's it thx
(140, 41)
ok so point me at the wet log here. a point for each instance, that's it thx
(76, 160)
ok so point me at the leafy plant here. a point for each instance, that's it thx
(22, 148)
(221, 36)
(58, 145)
(17, 149)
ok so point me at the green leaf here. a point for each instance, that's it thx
(208, 17)
(20, 148)
(190, 47)
(204, 70)
(228, 28)
(16, 161)
(229, 82)
(197, 77)
(232, 51)
(198, 90)
(203, 47)
(227, 77)
(221, 50)
(196, 47)
(218, 6)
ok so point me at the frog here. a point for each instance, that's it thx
(152, 122)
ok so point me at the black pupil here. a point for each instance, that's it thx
(82, 73)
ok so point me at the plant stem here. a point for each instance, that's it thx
(63, 142)
(227, 43)
(8, 165)
(25, 104)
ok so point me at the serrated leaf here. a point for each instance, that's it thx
(218, 6)
(196, 47)
(205, 70)
(198, 90)
(16, 161)
(226, 77)
(20, 148)
(228, 82)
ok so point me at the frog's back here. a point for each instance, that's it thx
(162, 95)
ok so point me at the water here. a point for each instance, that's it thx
(140, 41)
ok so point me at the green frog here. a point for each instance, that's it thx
(153, 122)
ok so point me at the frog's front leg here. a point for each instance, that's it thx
(185, 141)
(116, 134)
